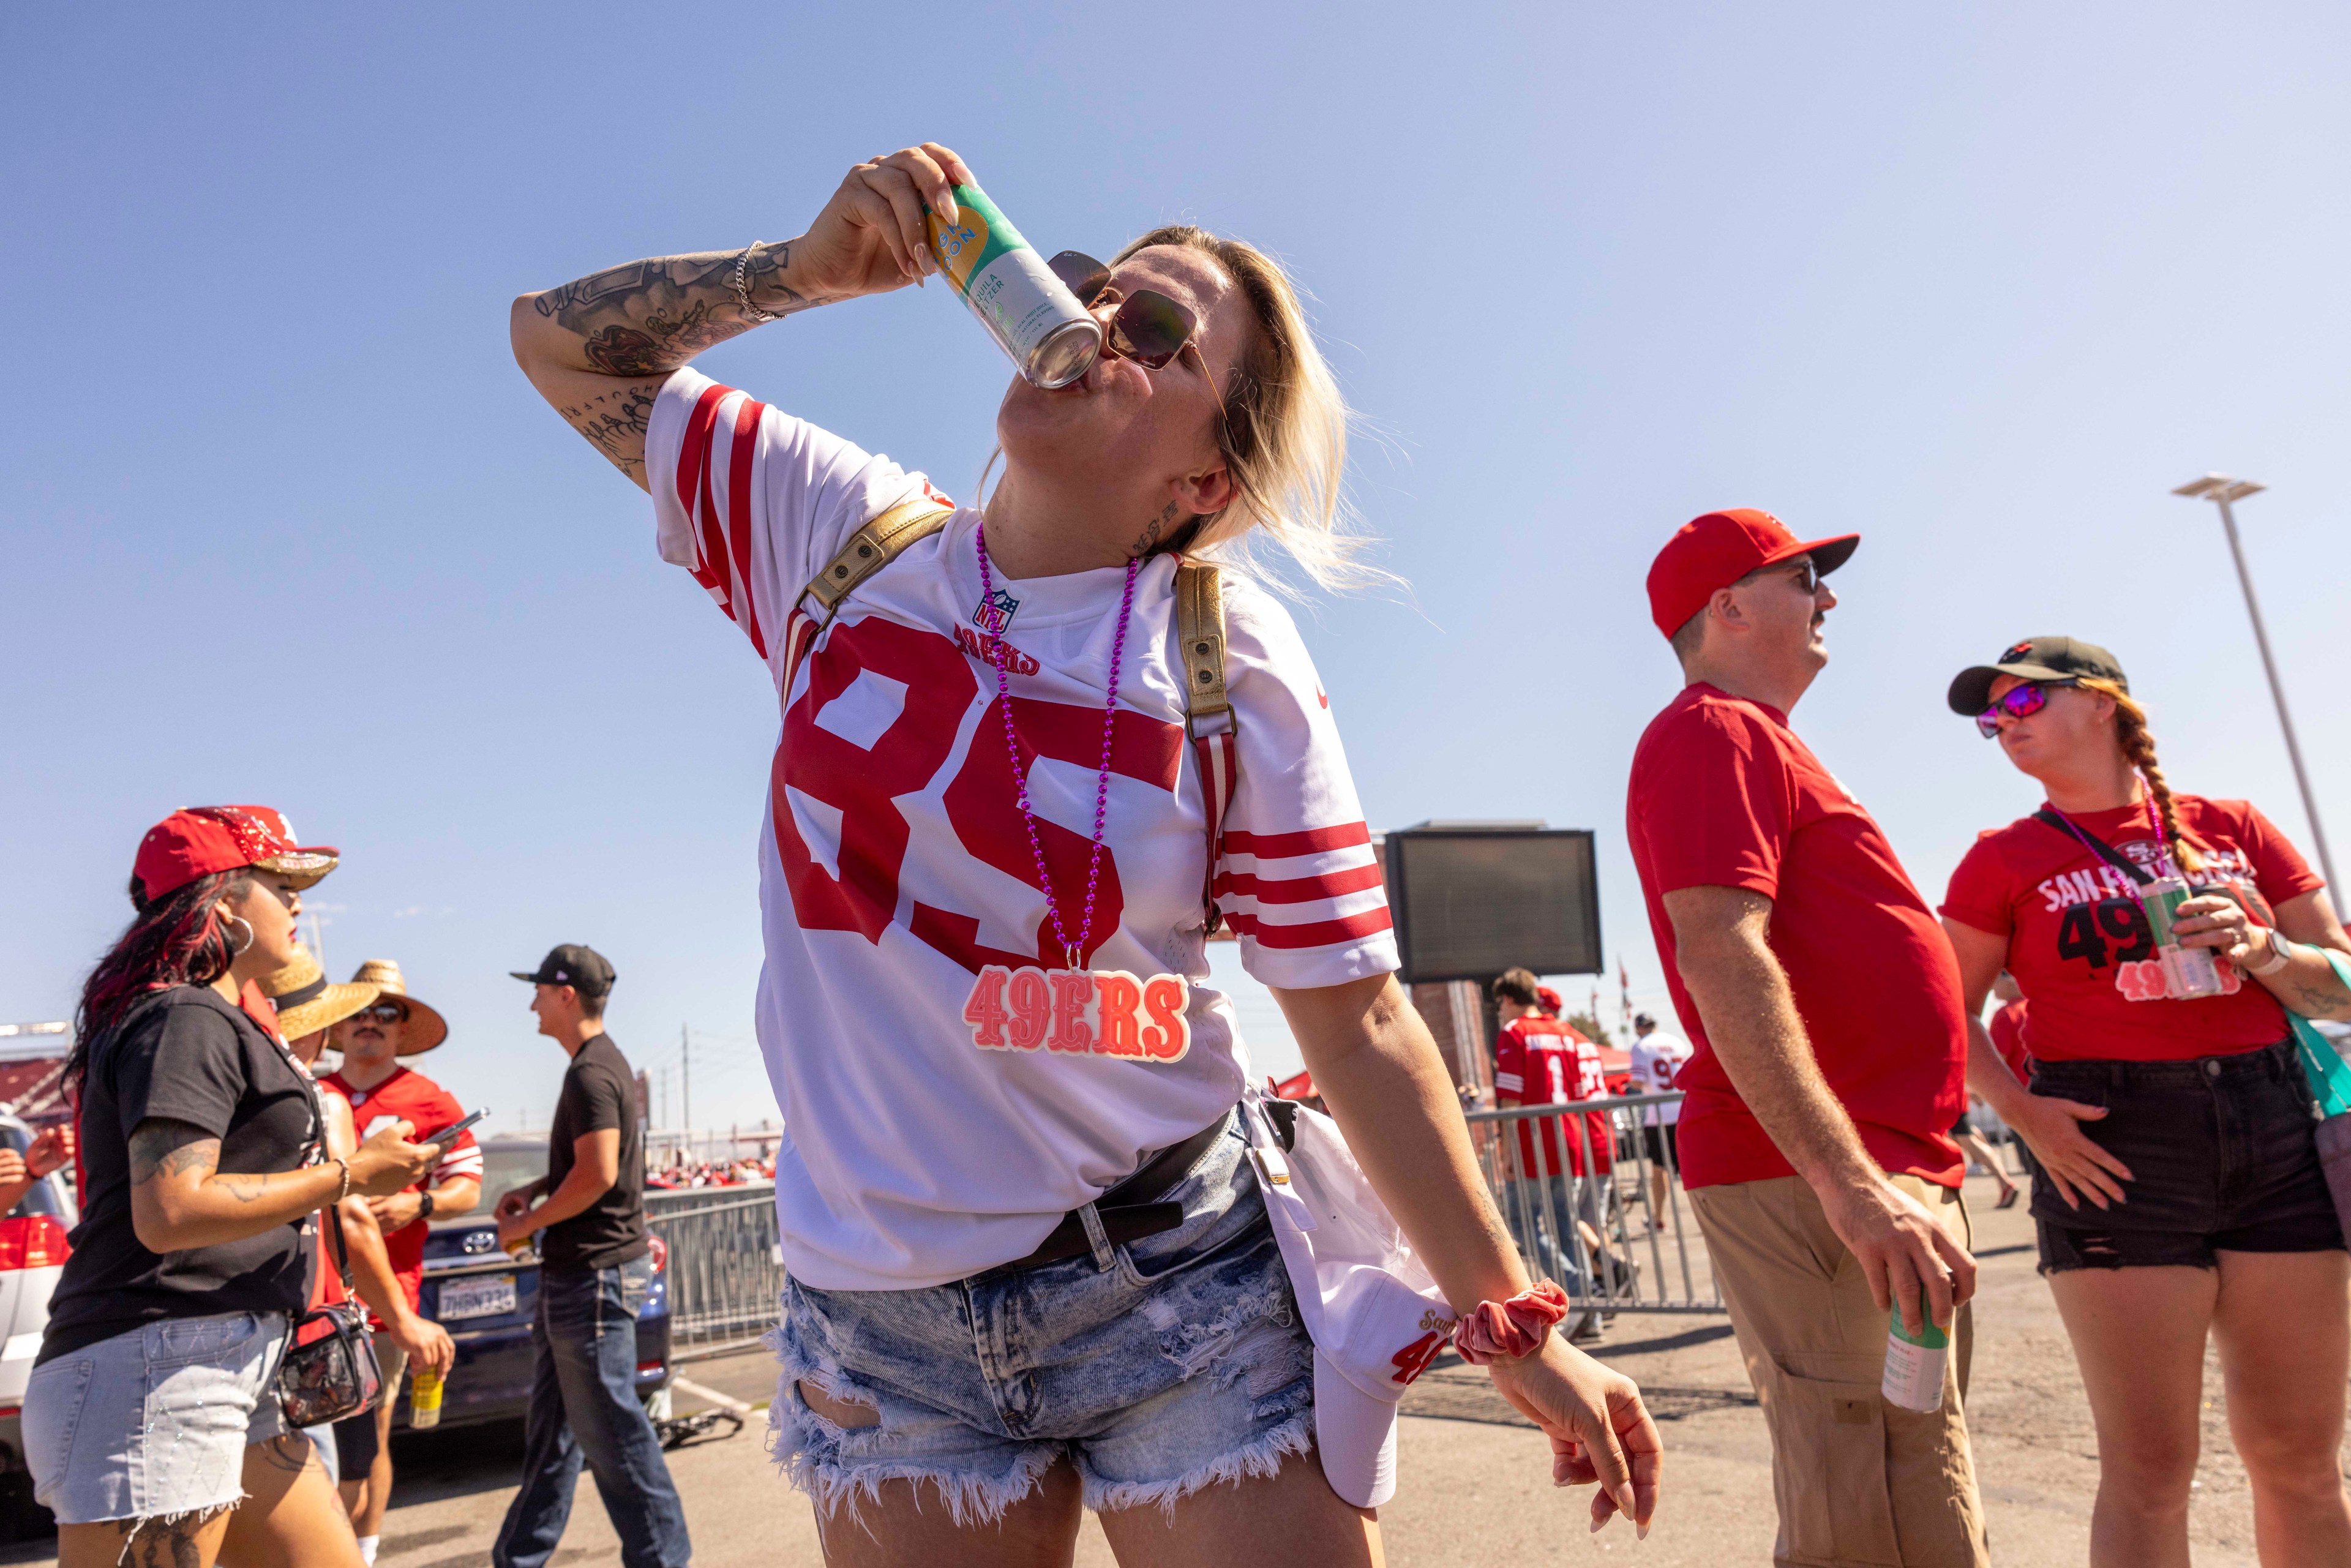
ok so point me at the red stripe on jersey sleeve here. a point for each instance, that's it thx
(1301, 889)
(1314, 933)
(693, 454)
(740, 453)
(1312, 841)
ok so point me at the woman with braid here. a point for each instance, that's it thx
(2178, 1190)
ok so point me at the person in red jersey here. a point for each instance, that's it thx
(2007, 1027)
(1822, 1006)
(1537, 1062)
(380, 1087)
(2177, 1186)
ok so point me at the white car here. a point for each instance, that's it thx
(32, 1255)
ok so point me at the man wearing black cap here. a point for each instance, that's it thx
(594, 1270)
(1823, 1004)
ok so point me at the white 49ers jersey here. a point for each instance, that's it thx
(938, 1121)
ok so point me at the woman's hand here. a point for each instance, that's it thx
(2051, 1129)
(1598, 1428)
(2216, 921)
(50, 1148)
(870, 238)
(389, 1162)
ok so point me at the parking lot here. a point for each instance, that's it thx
(1475, 1478)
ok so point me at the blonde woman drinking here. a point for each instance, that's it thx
(1031, 1271)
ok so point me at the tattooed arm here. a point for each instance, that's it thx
(180, 1199)
(598, 348)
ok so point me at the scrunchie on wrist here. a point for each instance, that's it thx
(1509, 1329)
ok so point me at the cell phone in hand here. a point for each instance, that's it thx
(448, 1136)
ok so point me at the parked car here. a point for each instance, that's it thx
(486, 1300)
(32, 1255)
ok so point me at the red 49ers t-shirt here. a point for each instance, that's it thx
(409, 1095)
(1724, 795)
(2078, 940)
(1542, 1062)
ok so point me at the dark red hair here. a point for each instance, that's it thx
(176, 940)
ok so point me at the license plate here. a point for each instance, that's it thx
(476, 1298)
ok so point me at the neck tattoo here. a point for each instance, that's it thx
(1072, 1010)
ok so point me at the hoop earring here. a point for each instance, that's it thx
(236, 946)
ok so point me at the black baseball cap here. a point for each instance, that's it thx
(582, 969)
(2035, 659)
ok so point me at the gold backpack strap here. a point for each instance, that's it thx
(1208, 717)
(869, 549)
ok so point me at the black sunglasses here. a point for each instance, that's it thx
(1148, 327)
(382, 1012)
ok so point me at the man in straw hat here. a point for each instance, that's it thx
(307, 1005)
(380, 1086)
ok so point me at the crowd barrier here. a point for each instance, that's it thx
(1579, 1226)
(725, 1269)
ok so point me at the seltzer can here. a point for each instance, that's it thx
(1030, 313)
(424, 1399)
(2188, 972)
(1915, 1364)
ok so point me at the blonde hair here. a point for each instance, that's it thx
(2137, 743)
(1284, 434)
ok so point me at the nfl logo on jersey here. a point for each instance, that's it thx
(995, 612)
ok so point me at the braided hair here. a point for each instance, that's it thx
(2137, 743)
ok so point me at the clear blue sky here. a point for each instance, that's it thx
(283, 523)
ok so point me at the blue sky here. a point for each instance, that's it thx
(283, 523)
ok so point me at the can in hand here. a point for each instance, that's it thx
(424, 1399)
(1915, 1364)
(1030, 313)
(2188, 972)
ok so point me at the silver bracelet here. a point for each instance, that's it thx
(743, 286)
(2281, 954)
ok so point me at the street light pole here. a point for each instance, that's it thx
(2219, 489)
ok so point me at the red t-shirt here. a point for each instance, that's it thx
(411, 1096)
(1542, 1061)
(2007, 1031)
(2077, 935)
(1723, 794)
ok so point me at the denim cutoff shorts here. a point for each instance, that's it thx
(1165, 1365)
(2223, 1155)
(154, 1422)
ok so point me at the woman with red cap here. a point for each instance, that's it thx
(2177, 1184)
(152, 1412)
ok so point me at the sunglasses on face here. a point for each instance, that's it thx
(382, 1012)
(2022, 701)
(1148, 327)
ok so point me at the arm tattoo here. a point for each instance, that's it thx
(160, 1146)
(648, 318)
(612, 417)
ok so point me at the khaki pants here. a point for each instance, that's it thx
(1857, 1480)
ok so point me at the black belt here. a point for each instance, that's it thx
(1130, 1210)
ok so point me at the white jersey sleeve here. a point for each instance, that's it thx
(1298, 881)
(754, 502)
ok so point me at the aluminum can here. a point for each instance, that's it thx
(1915, 1364)
(2188, 972)
(1030, 313)
(424, 1400)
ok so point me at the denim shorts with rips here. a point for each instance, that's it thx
(1158, 1368)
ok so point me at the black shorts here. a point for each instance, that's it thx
(1659, 1140)
(356, 1446)
(2222, 1158)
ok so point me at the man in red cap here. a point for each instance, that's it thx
(1822, 1005)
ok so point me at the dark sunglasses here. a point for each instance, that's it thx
(382, 1012)
(1148, 327)
(2022, 701)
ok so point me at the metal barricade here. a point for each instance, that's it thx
(1570, 1205)
(725, 1268)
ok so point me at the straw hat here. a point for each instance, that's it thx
(307, 1002)
(426, 1028)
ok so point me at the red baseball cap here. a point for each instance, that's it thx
(1718, 549)
(198, 840)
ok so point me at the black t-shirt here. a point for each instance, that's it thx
(188, 1056)
(598, 1091)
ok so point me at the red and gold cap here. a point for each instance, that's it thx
(197, 840)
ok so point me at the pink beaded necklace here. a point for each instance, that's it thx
(1074, 952)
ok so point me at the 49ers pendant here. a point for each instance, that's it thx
(1080, 1012)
